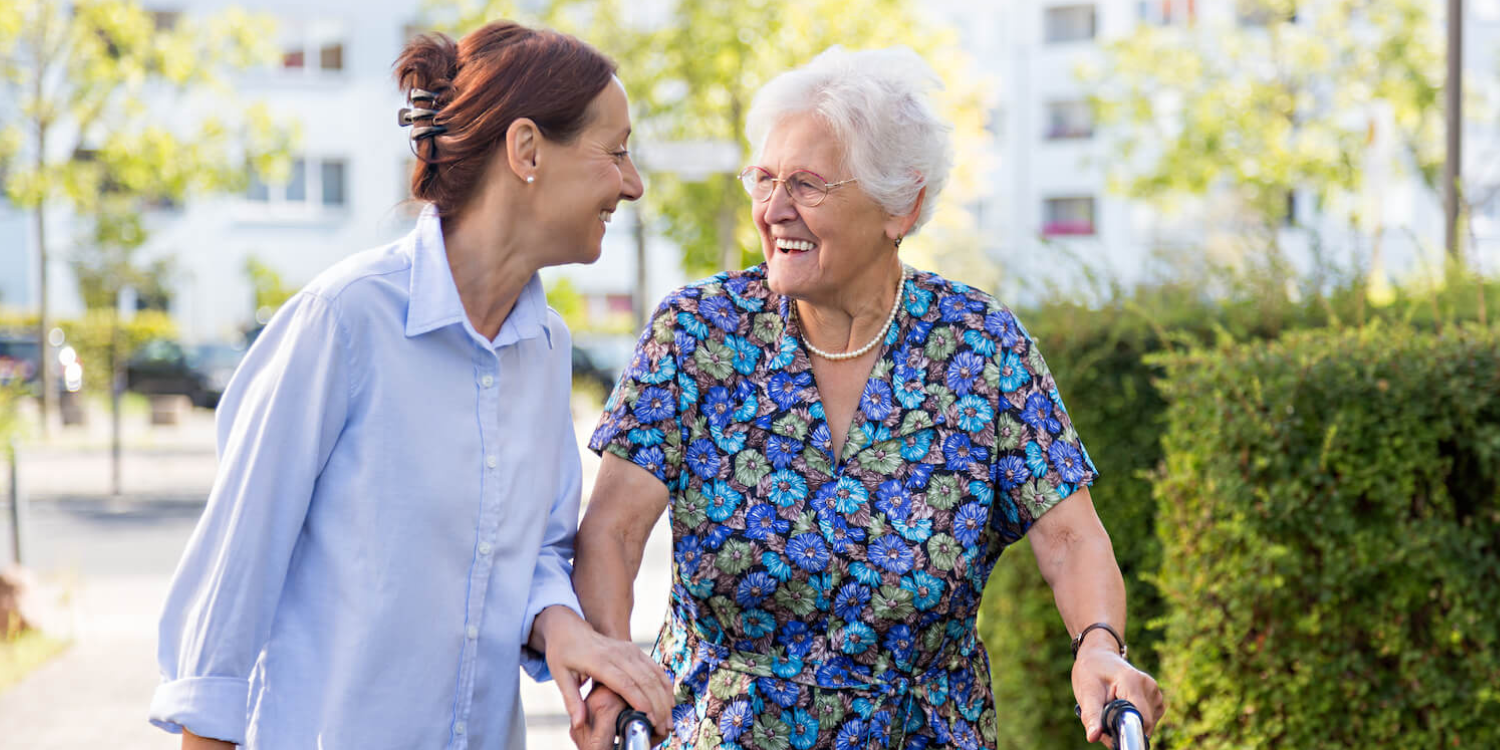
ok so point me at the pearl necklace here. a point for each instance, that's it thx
(879, 334)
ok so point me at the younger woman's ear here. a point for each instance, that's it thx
(522, 142)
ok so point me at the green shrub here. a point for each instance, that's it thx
(1329, 517)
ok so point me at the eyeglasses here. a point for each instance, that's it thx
(805, 188)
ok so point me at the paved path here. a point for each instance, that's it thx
(103, 566)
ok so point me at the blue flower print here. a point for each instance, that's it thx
(716, 537)
(1035, 462)
(899, 641)
(746, 354)
(965, 368)
(821, 437)
(850, 735)
(782, 450)
(735, 720)
(720, 311)
(979, 343)
(952, 308)
(654, 405)
(1002, 325)
(684, 721)
(787, 488)
(808, 552)
(722, 501)
(776, 566)
(786, 388)
(685, 342)
(857, 638)
(761, 522)
(757, 623)
(687, 554)
(893, 500)
(891, 554)
(865, 574)
(1067, 460)
(916, 532)
(786, 354)
(840, 535)
(914, 446)
(849, 495)
(968, 524)
(796, 638)
(703, 459)
(646, 437)
(804, 729)
(690, 323)
(849, 603)
(654, 372)
(918, 474)
(1013, 373)
(926, 589)
(755, 588)
(876, 401)
(1011, 472)
(917, 300)
(910, 390)
(780, 692)
(959, 452)
(918, 332)
(718, 406)
(1038, 414)
(974, 413)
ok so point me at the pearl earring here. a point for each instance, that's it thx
(530, 179)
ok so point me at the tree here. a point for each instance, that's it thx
(692, 68)
(1252, 113)
(102, 88)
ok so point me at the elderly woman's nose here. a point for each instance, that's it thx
(780, 207)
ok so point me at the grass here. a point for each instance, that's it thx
(24, 652)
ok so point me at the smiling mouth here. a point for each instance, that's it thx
(786, 245)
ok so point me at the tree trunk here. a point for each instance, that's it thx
(642, 301)
(116, 388)
(729, 249)
(44, 324)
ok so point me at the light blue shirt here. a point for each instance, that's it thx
(396, 501)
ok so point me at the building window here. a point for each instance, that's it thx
(1068, 217)
(293, 59)
(1070, 23)
(311, 186)
(1071, 119)
(331, 57)
(333, 182)
(1168, 12)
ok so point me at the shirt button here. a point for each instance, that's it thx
(487, 381)
(460, 728)
(484, 548)
(491, 461)
(473, 632)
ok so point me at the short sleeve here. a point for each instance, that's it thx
(642, 420)
(1039, 457)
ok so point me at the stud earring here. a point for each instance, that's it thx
(530, 179)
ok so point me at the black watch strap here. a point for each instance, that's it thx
(1106, 627)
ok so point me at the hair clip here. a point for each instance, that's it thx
(408, 115)
(419, 95)
(427, 131)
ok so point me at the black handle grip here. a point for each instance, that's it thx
(1114, 712)
(624, 721)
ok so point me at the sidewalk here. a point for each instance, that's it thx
(105, 564)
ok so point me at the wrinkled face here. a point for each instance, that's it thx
(813, 252)
(581, 183)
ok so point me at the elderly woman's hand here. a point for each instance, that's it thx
(1101, 675)
(598, 732)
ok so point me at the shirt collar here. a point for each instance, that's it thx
(434, 301)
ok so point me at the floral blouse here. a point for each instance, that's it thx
(823, 601)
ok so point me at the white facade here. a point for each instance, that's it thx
(1050, 212)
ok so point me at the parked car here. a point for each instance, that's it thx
(589, 371)
(20, 362)
(165, 367)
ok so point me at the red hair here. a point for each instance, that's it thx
(495, 75)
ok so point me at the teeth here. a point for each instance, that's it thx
(604, 216)
(791, 245)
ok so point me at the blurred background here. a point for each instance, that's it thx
(1258, 241)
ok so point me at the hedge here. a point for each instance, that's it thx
(1330, 528)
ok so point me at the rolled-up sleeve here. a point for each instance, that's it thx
(552, 581)
(277, 425)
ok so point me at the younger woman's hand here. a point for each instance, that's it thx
(575, 653)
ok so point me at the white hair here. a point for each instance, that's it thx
(876, 104)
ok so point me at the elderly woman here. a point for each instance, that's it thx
(846, 446)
